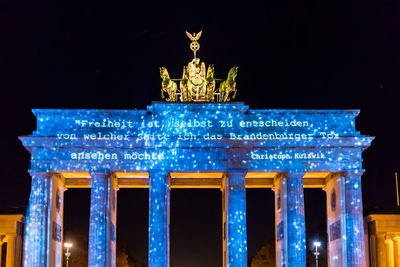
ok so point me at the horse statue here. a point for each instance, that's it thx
(167, 85)
(210, 83)
(186, 94)
(228, 86)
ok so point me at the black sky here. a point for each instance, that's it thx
(306, 55)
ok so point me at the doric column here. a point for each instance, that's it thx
(336, 218)
(289, 220)
(159, 209)
(380, 250)
(102, 228)
(55, 214)
(389, 252)
(10, 256)
(1, 247)
(372, 249)
(354, 220)
(19, 241)
(281, 245)
(234, 219)
(396, 251)
(36, 222)
(43, 234)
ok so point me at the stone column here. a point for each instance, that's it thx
(380, 250)
(389, 252)
(10, 256)
(336, 218)
(396, 251)
(44, 220)
(289, 220)
(281, 246)
(234, 219)
(55, 215)
(296, 226)
(159, 210)
(372, 250)
(102, 228)
(37, 222)
(354, 221)
(1, 248)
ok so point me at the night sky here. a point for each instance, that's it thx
(303, 55)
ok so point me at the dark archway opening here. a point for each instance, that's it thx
(196, 227)
(260, 210)
(315, 216)
(132, 226)
(76, 224)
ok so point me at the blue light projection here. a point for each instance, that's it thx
(354, 221)
(159, 197)
(99, 227)
(191, 137)
(36, 220)
(236, 212)
(295, 220)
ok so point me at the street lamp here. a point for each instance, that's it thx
(317, 244)
(67, 245)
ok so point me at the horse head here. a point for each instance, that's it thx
(232, 73)
(164, 73)
(210, 71)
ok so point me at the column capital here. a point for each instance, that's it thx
(332, 177)
(352, 173)
(167, 172)
(293, 174)
(236, 171)
(277, 180)
(100, 173)
(388, 242)
(10, 236)
(41, 174)
(59, 176)
(106, 174)
(381, 235)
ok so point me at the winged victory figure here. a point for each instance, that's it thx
(194, 37)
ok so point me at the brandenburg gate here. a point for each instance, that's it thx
(196, 144)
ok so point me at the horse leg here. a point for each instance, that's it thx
(226, 96)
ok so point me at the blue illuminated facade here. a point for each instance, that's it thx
(182, 137)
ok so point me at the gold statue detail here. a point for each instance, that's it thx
(194, 45)
(228, 86)
(196, 85)
(167, 85)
